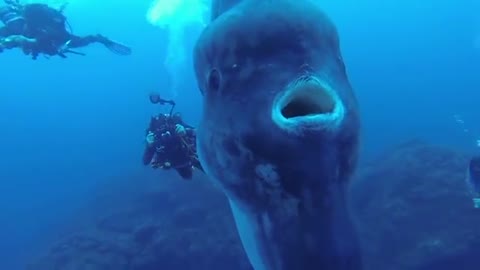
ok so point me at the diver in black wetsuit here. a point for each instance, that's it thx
(12, 33)
(170, 142)
(40, 29)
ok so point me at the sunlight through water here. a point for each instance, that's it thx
(176, 16)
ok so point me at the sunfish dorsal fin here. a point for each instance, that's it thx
(221, 6)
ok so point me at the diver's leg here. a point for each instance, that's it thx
(148, 155)
(16, 41)
(77, 41)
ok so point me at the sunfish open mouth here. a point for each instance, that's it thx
(308, 99)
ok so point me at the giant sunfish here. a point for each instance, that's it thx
(473, 180)
(279, 131)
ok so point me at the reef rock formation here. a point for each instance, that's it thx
(411, 208)
(414, 212)
(166, 225)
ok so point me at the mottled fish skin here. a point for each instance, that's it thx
(473, 180)
(473, 174)
(279, 131)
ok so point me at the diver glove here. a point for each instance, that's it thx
(150, 138)
(180, 130)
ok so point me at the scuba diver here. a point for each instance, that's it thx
(40, 29)
(11, 34)
(473, 180)
(171, 143)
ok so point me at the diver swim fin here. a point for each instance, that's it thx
(117, 48)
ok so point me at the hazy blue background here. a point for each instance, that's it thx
(71, 125)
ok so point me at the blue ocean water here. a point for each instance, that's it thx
(72, 125)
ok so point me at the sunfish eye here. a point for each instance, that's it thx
(214, 80)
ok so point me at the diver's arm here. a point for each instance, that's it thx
(17, 41)
(150, 148)
(148, 154)
(14, 3)
(188, 126)
(185, 125)
(190, 132)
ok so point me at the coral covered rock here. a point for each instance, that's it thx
(410, 203)
(414, 212)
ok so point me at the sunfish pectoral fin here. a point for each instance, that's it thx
(221, 6)
(248, 231)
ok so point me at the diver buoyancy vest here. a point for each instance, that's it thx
(44, 20)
